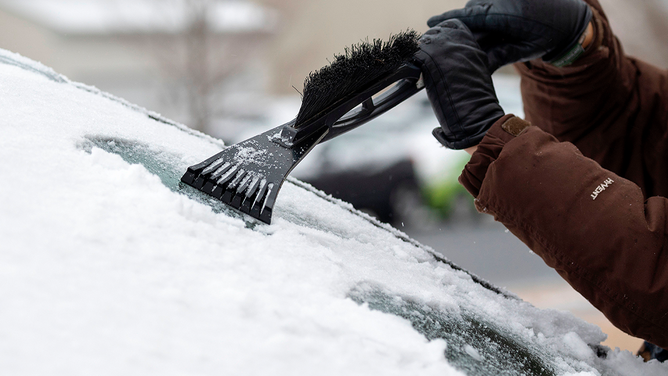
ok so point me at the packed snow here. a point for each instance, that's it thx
(108, 266)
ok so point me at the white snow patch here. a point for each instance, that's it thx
(577, 347)
(473, 353)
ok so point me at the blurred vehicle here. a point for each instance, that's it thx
(386, 193)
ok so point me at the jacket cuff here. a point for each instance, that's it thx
(502, 131)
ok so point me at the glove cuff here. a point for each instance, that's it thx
(457, 143)
(440, 136)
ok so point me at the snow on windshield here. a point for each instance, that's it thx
(109, 266)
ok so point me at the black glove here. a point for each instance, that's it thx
(520, 30)
(458, 84)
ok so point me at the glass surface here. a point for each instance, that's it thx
(473, 346)
(164, 165)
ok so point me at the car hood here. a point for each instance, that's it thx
(110, 266)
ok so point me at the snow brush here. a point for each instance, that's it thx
(366, 81)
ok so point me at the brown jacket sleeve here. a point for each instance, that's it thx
(584, 210)
(614, 108)
(591, 225)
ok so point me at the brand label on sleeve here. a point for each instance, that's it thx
(602, 187)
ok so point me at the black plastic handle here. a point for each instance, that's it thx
(360, 108)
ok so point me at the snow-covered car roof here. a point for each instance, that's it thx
(108, 265)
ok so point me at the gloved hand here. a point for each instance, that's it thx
(458, 84)
(520, 30)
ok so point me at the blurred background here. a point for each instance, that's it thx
(233, 68)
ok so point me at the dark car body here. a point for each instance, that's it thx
(379, 192)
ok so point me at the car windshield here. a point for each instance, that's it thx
(109, 265)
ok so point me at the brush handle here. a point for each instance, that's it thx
(360, 108)
(380, 101)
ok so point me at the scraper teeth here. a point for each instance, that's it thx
(267, 199)
(237, 179)
(226, 166)
(244, 183)
(237, 186)
(213, 166)
(252, 187)
(246, 191)
(260, 193)
(227, 175)
(218, 191)
(208, 187)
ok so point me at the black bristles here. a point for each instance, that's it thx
(360, 66)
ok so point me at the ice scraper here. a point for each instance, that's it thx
(366, 81)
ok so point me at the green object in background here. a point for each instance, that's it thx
(441, 192)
